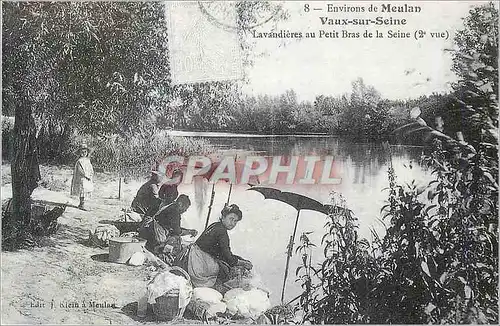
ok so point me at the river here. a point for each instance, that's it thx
(265, 229)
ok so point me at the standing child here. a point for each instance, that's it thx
(82, 184)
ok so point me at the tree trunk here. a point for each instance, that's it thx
(25, 169)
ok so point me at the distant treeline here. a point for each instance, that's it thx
(361, 115)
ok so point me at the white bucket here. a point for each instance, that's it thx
(122, 248)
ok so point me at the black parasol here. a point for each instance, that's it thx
(299, 202)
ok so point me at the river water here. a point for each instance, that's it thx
(265, 229)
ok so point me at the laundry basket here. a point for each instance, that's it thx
(166, 307)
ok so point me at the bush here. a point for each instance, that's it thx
(336, 292)
(437, 263)
(132, 156)
(440, 262)
(56, 142)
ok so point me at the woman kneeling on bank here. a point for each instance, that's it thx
(210, 258)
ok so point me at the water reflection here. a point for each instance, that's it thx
(363, 168)
(364, 160)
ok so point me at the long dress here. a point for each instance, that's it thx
(80, 185)
(210, 257)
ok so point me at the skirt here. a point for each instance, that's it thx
(201, 267)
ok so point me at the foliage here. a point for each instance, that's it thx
(201, 106)
(18, 235)
(437, 263)
(362, 107)
(101, 67)
(440, 257)
(473, 106)
(7, 124)
(251, 14)
(476, 64)
(305, 272)
(362, 115)
(133, 156)
(466, 191)
(337, 291)
(281, 314)
(466, 196)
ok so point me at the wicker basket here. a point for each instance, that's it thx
(166, 307)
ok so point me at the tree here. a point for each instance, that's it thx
(330, 109)
(363, 116)
(207, 106)
(476, 63)
(99, 67)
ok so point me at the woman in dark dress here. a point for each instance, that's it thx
(210, 258)
(163, 231)
(168, 191)
(169, 217)
(147, 200)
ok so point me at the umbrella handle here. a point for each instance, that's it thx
(285, 275)
(290, 247)
(229, 194)
(288, 255)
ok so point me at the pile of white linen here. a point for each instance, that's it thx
(248, 304)
(209, 300)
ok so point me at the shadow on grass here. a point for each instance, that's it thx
(67, 235)
(53, 203)
(107, 221)
(64, 236)
(130, 310)
(103, 258)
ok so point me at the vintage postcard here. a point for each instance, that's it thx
(249, 162)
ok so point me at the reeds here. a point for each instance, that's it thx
(132, 156)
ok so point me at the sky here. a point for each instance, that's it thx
(397, 68)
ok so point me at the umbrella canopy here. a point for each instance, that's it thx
(298, 201)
